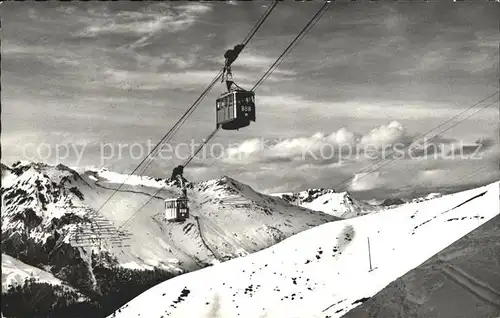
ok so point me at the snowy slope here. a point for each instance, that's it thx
(322, 272)
(430, 196)
(328, 201)
(462, 280)
(228, 219)
(132, 180)
(34, 195)
(7, 175)
(14, 272)
(391, 202)
(55, 215)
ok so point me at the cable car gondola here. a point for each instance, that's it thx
(177, 209)
(235, 109)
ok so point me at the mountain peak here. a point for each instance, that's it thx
(225, 179)
(340, 204)
(318, 264)
(227, 219)
(223, 185)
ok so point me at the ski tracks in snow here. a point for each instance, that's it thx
(202, 238)
(449, 210)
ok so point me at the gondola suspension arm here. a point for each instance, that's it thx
(278, 61)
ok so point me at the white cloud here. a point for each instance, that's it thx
(359, 109)
(343, 136)
(162, 17)
(450, 58)
(19, 139)
(338, 146)
(9, 47)
(468, 172)
(65, 9)
(165, 80)
(198, 8)
(246, 148)
(152, 81)
(431, 176)
(487, 40)
(252, 60)
(396, 21)
(129, 23)
(366, 181)
(386, 135)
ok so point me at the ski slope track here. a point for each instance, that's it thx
(325, 271)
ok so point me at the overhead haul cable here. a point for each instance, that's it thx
(186, 115)
(301, 34)
(275, 65)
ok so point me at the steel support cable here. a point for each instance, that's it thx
(473, 173)
(278, 61)
(468, 175)
(245, 41)
(176, 126)
(457, 123)
(463, 177)
(259, 23)
(304, 31)
(159, 190)
(191, 110)
(424, 134)
(179, 123)
(299, 37)
(201, 146)
(167, 135)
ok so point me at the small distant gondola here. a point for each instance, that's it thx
(235, 109)
(177, 209)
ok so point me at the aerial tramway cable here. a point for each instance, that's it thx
(180, 122)
(423, 135)
(292, 44)
(184, 117)
(301, 34)
(455, 124)
(275, 65)
(188, 113)
(201, 146)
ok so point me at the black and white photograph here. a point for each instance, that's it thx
(250, 159)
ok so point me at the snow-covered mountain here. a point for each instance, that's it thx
(341, 204)
(390, 202)
(228, 219)
(325, 271)
(430, 196)
(5, 169)
(52, 218)
(15, 272)
(28, 291)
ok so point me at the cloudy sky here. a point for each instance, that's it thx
(82, 80)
